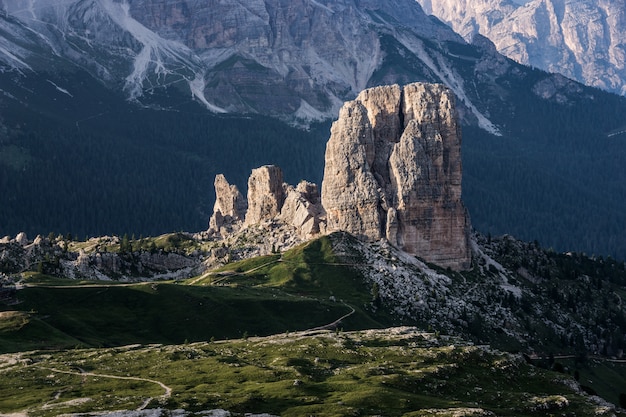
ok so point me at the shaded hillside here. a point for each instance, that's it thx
(517, 297)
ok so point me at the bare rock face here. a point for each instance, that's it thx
(21, 239)
(265, 194)
(283, 214)
(230, 206)
(393, 170)
(580, 39)
(303, 209)
(350, 193)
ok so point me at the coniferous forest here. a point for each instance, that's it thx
(139, 171)
(112, 167)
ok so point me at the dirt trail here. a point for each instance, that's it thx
(167, 394)
(335, 323)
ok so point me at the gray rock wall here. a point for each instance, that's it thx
(393, 170)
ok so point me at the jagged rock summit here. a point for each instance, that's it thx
(269, 199)
(230, 205)
(393, 171)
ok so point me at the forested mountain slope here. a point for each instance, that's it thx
(77, 157)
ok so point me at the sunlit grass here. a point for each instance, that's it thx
(326, 374)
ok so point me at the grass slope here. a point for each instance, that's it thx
(303, 289)
(393, 372)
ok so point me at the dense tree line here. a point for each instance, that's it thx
(555, 175)
(108, 166)
(142, 171)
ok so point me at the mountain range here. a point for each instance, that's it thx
(581, 39)
(116, 116)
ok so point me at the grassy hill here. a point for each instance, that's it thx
(392, 372)
(313, 288)
(305, 288)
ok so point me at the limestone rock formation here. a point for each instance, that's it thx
(393, 170)
(265, 194)
(269, 200)
(230, 206)
(303, 209)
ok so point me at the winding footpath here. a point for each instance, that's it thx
(335, 323)
(167, 394)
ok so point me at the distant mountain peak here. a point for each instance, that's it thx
(581, 39)
(299, 60)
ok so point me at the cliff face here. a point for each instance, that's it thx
(581, 39)
(265, 194)
(393, 170)
(230, 206)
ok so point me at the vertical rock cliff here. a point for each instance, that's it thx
(230, 206)
(393, 170)
(265, 194)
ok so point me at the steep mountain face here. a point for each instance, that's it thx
(581, 39)
(393, 170)
(299, 59)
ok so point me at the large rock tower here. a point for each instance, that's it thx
(393, 170)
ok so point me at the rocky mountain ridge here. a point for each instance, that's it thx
(581, 39)
(308, 56)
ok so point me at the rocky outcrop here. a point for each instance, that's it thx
(269, 199)
(265, 194)
(230, 206)
(98, 258)
(393, 170)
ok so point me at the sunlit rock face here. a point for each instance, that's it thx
(265, 194)
(581, 39)
(230, 206)
(393, 170)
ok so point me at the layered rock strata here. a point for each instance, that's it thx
(393, 170)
